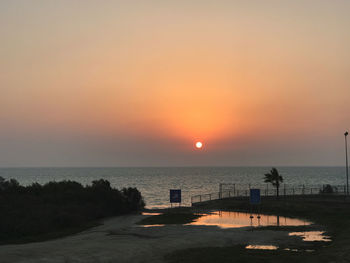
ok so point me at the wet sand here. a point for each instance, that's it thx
(119, 239)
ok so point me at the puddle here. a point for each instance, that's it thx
(159, 225)
(291, 249)
(265, 247)
(312, 236)
(150, 214)
(240, 219)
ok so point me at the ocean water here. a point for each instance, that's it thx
(154, 183)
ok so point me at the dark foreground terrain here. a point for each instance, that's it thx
(40, 212)
(331, 211)
(167, 237)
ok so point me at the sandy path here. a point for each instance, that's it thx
(120, 240)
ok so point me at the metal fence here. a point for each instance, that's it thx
(284, 190)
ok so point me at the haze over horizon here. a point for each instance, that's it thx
(115, 83)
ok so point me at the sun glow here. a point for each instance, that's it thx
(199, 145)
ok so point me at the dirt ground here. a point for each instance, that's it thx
(120, 240)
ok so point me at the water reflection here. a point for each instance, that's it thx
(299, 250)
(239, 219)
(267, 247)
(155, 225)
(150, 214)
(291, 249)
(312, 236)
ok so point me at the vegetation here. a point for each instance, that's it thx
(169, 218)
(236, 254)
(274, 178)
(327, 189)
(39, 212)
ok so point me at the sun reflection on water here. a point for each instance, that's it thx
(224, 219)
(312, 236)
(265, 247)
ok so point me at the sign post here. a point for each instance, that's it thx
(175, 196)
(255, 201)
(255, 198)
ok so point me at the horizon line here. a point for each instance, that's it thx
(171, 166)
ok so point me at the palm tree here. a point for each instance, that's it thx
(274, 178)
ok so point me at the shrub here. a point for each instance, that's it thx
(35, 210)
(327, 189)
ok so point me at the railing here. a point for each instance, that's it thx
(283, 191)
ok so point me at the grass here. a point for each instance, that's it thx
(169, 218)
(237, 254)
(332, 212)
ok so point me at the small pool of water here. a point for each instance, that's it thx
(240, 219)
(312, 236)
(264, 247)
(155, 225)
(150, 214)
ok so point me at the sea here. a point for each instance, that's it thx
(154, 183)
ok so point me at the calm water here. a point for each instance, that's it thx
(310, 236)
(154, 183)
(225, 219)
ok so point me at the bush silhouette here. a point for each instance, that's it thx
(327, 189)
(31, 212)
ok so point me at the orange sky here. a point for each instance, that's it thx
(117, 83)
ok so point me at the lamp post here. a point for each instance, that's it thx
(347, 166)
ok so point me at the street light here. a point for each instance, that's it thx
(347, 166)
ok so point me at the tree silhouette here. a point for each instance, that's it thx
(274, 178)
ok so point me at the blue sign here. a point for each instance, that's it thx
(255, 196)
(175, 195)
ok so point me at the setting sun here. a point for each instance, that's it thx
(119, 110)
(199, 145)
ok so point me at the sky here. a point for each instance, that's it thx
(138, 83)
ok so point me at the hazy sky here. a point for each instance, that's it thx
(136, 83)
